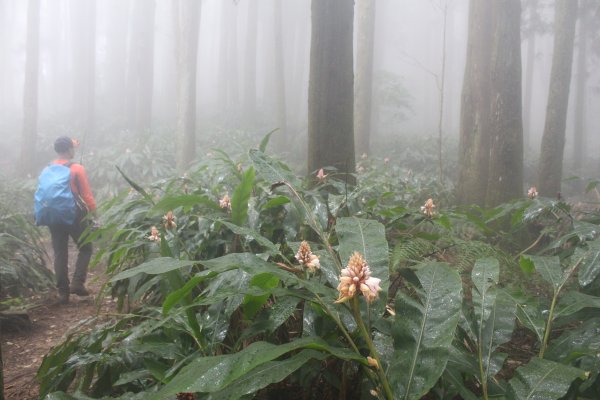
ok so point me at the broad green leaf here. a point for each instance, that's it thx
(135, 186)
(423, 330)
(582, 231)
(266, 374)
(226, 293)
(572, 302)
(265, 140)
(542, 379)
(186, 201)
(589, 269)
(368, 238)
(155, 266)
(240, 197)
(178, 295)
(550, 269)
(260, 239)
(252, 304)
(276, 202)
(526, 265)
(211, 374)
(271, 170)
(485, 277)
(497, 330)
(575, 343)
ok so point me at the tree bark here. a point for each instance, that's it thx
(553, 140)
(475, 107)
(363, 86)
(331, 91)
(84, 56)
(505, 176)
(30, 92)
(189, 21)
(141, 67)
(250, 63)
(280, 137)
(528, 89)
(579, 153)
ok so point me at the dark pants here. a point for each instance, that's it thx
(60, 244)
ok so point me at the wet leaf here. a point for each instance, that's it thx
(423, 330)
(542, 379)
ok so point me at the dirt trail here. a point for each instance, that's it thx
(23, 352)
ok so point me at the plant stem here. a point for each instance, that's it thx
(482, 374)
(367, 336)
(548, 326)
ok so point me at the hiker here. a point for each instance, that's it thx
(62, 202)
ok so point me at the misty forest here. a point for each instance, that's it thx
(301, 199)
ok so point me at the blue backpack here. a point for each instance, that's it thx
(54, 200)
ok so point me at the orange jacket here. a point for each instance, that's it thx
(79, 183)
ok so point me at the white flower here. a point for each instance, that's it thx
(532, 192)
(357, 277)
(154, 236)
(225, 202)
(428, 208)
(307, 258)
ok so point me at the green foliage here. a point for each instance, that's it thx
(22, 259)
(219, 305)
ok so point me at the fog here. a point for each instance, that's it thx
(108, 73)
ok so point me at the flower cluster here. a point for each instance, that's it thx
(532, 192)
(154, 236)
(321, 175)
(357, 277)
(428, 208)
(225, 202)
(307, 258)
(169, 220)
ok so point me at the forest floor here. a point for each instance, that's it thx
(23, 350)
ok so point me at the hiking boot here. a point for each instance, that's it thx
(80, 290)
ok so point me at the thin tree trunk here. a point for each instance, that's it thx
(281, 135)
(475, 107)
(442, 87)
(528, 89)
(250, 63)
(331, 91)
(363, 86)
(189, 21)
(142, 66)
(579, 153)
(233, 91)
(505, 176)
(30, 92)
(83, 32)
(553, 140)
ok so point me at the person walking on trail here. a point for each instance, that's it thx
(64, 211)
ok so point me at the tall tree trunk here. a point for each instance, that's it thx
(363, 86)
(505, 176)
(84, 60)
(116, 64)
(250, 63)
(528, 89)
(232, 76)
(141, 66)
(223, 42)
(553, 140)
(579, 153)
(475, 107)
(30, 92)
(331, 91)
(280, 137)
(189, 21)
